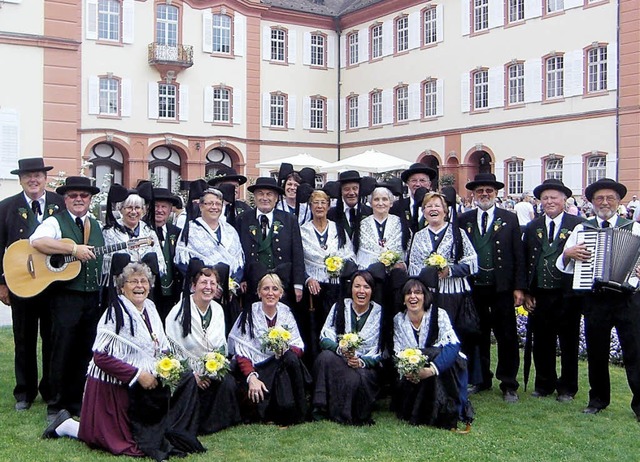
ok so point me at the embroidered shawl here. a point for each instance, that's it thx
(370, 331)
(370, 248)
(314, 255)
(114, 236)
(403, 336)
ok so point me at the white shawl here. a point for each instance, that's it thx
(314, 255)
(370, 332)
(370, 248)
(114, 236)
(403, 336)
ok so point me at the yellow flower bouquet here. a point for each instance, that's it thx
(333, 265)
(409, 362)
(215, 365)
(350, 342)
(169, 371)
(276, 339)
(389, 258)
(437, 260)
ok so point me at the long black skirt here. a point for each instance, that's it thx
(318, 309)
(342, 393)
(219, 408)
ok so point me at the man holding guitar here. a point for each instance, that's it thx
(75, 307)
(19, 217)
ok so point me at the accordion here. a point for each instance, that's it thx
(615, 253)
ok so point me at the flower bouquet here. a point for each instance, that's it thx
(233, 286)
(334, 264)
(437, 260)
(409, 362)
(350, 342)
(276, 339)
(169, 371)
(215, 365)
(389, 258)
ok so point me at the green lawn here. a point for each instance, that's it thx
(532, 430)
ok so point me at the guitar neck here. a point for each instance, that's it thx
(100, 250)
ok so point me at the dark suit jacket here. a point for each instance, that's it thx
(15, 226)
(400, 208)
(508, 250)
(332, 215)
(533, 246)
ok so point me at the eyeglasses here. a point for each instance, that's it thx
(605, 198)
(207, 283)
(484, 191)
(138, 282)
(211, 204)
(317, 203)
(75, 195)
(130, 208)
(415, 292)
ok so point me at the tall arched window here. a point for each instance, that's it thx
(164, 166)
(106, 159)
(217, 158)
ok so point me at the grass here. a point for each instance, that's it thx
(531, 430)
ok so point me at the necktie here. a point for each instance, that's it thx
(80, 224)
(264, 223)
(552, 231)
(35, 206)
(605, 224)
(160, 233)
(485, 219)
(352, 216)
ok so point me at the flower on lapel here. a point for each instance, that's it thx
(172, 239)
(51, 209)
(408, 215)
(277, 226)
(469, 227)
(23, 212)
(253, 229)
(498, 224)
(564, 233)
(539, 233)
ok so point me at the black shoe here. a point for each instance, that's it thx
(473, 389)
(539, 394)
(510, 396)
(23, 405)
(564, 397)
(591, 410)
(50, 431)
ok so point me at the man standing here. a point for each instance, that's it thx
(350, 209)
(605, 308)
(19, 217)
(554, 308)
(499, 284)
(75, 307)
(417, 176)
(524, 211)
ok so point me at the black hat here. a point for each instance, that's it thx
(392, 184)
(605, 183)
(367, 185)
(349, 176)
(144, 189)
(285, 170)
(488, 179)
(552, 183)
(450, 195)
(332, 188)
(77, 183)
(308, 176)
(264, 182)
(227, 174)
(32, 164)
(418, 167)
(228, 192)
(163, 194)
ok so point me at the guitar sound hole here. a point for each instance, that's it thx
(56, 261)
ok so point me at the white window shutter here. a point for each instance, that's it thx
(363, 111)
(573, 73)
(343, 50)
(331, 115)
(306, 49)
(331, 52)
(440, 97)
(532, 9)
(207, 104)
(496, 13)
(239, 34)
(343, 114)
(292, 111)
(387, 38)
(465, 9)
(266, 43)
(183, 103)
(127, 21)
(414, 30)
(533, 80)
(126, 97)
(266, 109)
(153, 100)
(292, 36)
(568, 4)
(306, 113)
(414, 101)
(612, 66)
(91, 19)
(387, 106)
(465, 100)
(496, 86)
(363, 45)
(94, 95)
(207, 32)
(439, 23)
(238, 107)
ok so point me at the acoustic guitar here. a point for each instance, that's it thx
(28, 272)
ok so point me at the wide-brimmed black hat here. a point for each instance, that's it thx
(418, 167)
(227, 174)
(77, 183)
(32, 164)
(349, 176)
(163, 194)
(605, 183)
(552, 183)
(488, 179)
(392, 184)
(265, 182)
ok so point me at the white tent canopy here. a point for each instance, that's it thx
(371, 161)
(299, 161)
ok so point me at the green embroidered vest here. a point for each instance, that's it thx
(547, 275)
(265, 252)
(484, 249)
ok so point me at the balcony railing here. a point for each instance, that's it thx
(179, 55)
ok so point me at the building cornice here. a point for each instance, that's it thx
(40, 41)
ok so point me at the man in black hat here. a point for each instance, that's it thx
(75, 306)
(417, 176)
(554, 308)
(605, 308)
(271, 239)
(228, 175)
(19, 217)
(350, 209)
(499, 284)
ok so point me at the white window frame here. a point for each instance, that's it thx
(168, 111)
(402, 34)
(109, 96)
(515, 176)
(430, 98)
(222, 97)
(596, 168)
(221, 33)
(317, 113)
(554, 6)
(109, 20)
(480, 15)
(553, 169)
(402, 103)
(278, 45)
(277, 111)
(554, 77)
(480, 90)
(318, 50)
(167, 25)
(377, 35)
(352, 108)
(352, 40)
(376, 108)
(515, 86)
(429, 21)
(597, 67)
(516, 11)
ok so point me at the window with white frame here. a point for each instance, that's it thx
(480, 15)
(353, 48)
(278, 45)
(109, 97)
(597, 69)
(167, 101)
(481, 89)
(554, 66)
(515, 176)
(402, 34)
(516, 83)
(596, 168)
(430, 31)
(376, 41)
(352, 112)
(553, 169)
(516, 10)
(430, 92)
(221, 105)
(217, 159)
(109, 20)
(402, 103)
(554, 6)
(278, 109)
(376, 108)
(106, 159)
(167, 25)
(318, 50)
(317, 115)
(164, 166)
(221, 24)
